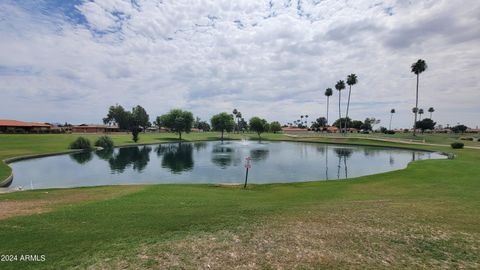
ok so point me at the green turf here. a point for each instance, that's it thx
(438, 193)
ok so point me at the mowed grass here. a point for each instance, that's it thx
(426, 216)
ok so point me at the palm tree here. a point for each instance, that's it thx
(392, 111)
(351, 80)
(415, 111)
(306, 120)
(340, 85)
(235, 115)
(417, 68)
(420, 111)
(431, 110)
(328, 93)
(239, 116)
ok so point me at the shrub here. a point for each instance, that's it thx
(457, 145)
(105, 142)
(390, 132)
(466, 138)
(81, 143)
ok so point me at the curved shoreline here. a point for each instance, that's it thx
(6, 182)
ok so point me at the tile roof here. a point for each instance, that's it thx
(15, 123)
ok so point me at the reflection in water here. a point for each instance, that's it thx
(136, 156)
(104, 154)
(259, 154)
(222, 155)
(199, 146)
(82, 157)
(176, 157)
(344, 153)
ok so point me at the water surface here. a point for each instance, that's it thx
(211, 162)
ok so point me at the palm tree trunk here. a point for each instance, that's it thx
(328, 101)
(348, 105)
(416, 106)
(430, 115)
(339, 109)
(390, 125)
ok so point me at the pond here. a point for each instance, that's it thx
(211, 162)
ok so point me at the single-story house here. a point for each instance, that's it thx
(14, 126)
(94, 128)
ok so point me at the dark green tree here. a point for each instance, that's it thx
(417, 68)
(140, 117)
(222, 122)
(118, 115)
(425, 124)
(258, 125)
(275, 127)
(177, 120)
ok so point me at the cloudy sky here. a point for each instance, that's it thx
(69, 60)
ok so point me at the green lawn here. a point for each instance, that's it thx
(426, 216)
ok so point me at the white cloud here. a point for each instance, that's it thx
(211, 56)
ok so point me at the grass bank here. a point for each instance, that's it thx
(426, 216)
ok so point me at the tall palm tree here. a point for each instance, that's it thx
(415, 111)
(306, 120)
(392, 111)
(239, 116)
(340, 85)
(417, 68)
(431, 110)
(234, 112)
(351, 80)
(328, 93)
(420, 111)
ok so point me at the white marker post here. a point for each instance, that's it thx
(247, 166)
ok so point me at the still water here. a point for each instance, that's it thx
(211, 162)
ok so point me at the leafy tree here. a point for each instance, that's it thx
(425, 124)
(392, 111)
(339, 123)
(222, 122)
(357, 124)
(459, 128)
(431, 110)
(135, 132)
(340, 85)
(417, 68)
(118, 115)
(369, 123)
(258, 125)
(328, 94)
(351, 80)
(275, 127)
(140, 118)
(319, 123)
(202, 125)
(177, 120)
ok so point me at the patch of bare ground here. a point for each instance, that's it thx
(348, 236)
(49, 200)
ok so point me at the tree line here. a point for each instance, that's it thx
(182, 121)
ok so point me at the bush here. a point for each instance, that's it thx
(105, 142)
(457, 145)
(81, 143)
(390, 132)
(466, 139)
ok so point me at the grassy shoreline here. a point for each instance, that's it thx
(427, 215)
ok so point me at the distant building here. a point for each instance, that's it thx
(93, 128)
(14, 126)
(294, 130)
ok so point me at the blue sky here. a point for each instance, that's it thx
(69, 60)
